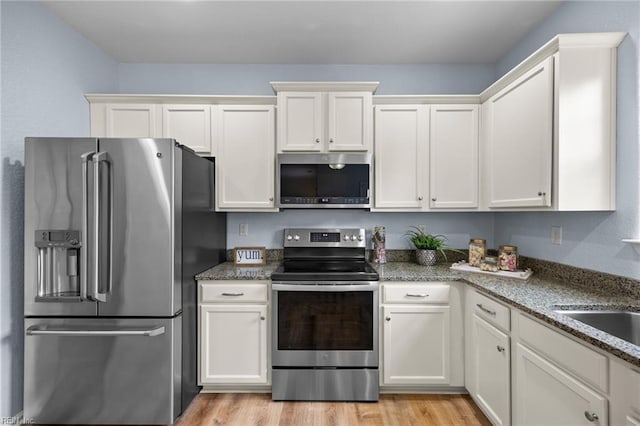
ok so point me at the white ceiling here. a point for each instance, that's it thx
(304, 32)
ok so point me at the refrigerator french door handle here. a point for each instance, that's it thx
(88, 332)
(100, 238)
(84, 250)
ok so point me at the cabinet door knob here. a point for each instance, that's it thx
(434, 199)
(542, 194)
(317, 140)
(592, 417)
(331, 140)
(500, 348)
(388, 318)
(419, 198)
(270, 198)
(262, 318)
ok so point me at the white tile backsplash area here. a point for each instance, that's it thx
(265, 229)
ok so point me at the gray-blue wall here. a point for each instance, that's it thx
(254, 79)
(46, 69)
(590, 239)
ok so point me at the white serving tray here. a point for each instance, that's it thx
(519, 275)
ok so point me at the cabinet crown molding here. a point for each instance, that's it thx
(324, 86)
(608, 40)
(124, 98)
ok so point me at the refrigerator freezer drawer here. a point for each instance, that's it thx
(102, 371)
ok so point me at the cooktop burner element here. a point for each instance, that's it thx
(324, 255)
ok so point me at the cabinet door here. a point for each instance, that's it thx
(132, 121)
(520, 137)
(453, 156)
(233, 344)
(416, 345)
(545, 394)
(349, 121)
(190, 125)
(300, 121)
(401, 140)
(246, 156)
(491, 366)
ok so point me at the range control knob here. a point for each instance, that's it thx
(289, 238)
(296, 237)
(360, 238)
(346, 237)
(353, 238)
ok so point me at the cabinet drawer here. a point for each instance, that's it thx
(416, 293)
(585, 363)
(233, 292)
(493, 312)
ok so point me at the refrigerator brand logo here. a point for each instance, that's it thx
(16, 420)
(249, 255)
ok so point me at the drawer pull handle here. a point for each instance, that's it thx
(500, 348)
(233, 294)
(483, 309)
(592, 417)
(417, 295)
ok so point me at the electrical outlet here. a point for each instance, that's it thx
(556, 235)
(244, 229)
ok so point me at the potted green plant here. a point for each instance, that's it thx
(427, 245)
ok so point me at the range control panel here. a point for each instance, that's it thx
(338, 237)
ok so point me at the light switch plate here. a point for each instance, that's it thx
(244, 229)
(556, 235)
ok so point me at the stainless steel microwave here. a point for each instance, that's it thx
(331, 180)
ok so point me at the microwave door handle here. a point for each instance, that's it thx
(84, 249)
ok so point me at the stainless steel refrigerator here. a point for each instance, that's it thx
(115, 230)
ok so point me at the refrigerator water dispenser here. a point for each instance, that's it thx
(58, 265)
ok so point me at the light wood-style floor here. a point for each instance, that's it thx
(392, 409)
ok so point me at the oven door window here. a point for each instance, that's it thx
(335, 321)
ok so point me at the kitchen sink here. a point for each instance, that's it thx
(622, 324)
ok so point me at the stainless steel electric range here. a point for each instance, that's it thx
(325, 318)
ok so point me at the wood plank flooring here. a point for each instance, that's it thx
(241, 409)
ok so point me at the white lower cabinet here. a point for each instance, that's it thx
(233, 337)
(422, 336)
(488, 356)
(491, 356)
(545, 394)
(625, 394)
(416, 344)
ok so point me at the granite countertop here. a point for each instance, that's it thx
(538, 296)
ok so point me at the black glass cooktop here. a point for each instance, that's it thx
(324, 270)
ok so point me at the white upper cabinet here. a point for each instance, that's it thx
(245, 162)
(549, 140)
(520, 140)
(300, 121)
(350, 121)
(188, 124)
(127, 120)
(401, 144)
(323, 117)
(453, 156)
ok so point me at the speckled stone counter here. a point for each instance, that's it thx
(229, 271)
(539, 296)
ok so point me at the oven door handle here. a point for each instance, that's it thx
(319, 286)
